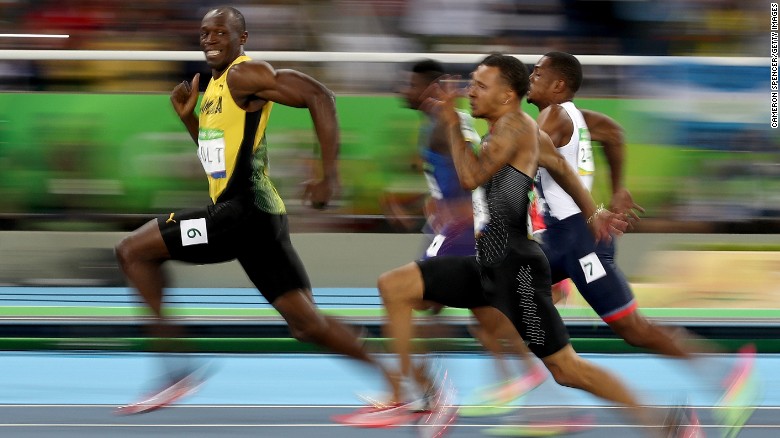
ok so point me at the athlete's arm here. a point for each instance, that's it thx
(555, 121)
(602, 222)
(609, 133)
(258, 81)
(475, 169)
(184, 97)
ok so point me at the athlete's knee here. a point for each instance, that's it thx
(386, 285)
(563, 376)
(144, 245)
(124, 252)
(399, 286)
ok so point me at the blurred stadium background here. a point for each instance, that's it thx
(91, 146)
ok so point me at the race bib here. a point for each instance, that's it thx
(585, 164)
(193, 232)
(434, 247)
(211, 152)
(592, 267)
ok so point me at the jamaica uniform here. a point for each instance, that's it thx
(509, 268)
(247, 219)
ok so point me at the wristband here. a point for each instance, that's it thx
(599, 209)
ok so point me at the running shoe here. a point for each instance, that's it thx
(391, 415)
(182, 387)
(683, 422)
(495, 399)
(741, 395)
(442, 411)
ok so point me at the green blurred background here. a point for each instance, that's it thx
(128, 154)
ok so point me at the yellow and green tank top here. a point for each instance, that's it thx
(232, 147)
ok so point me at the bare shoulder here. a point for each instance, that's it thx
(514, 123)
(553, 117)
(250, 75)
(595, 118)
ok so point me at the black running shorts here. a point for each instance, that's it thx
(236, 229)
(519, 286)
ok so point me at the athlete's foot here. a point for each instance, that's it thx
(741, 394)
(166, 396)
(385, 410)
(683, 422)
(403, 389)
(442, 411)
(495, 398)
(746, 357)
(520, 386)
(392, 415)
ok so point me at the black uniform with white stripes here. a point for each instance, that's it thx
(509, 272)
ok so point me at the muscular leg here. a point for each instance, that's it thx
(570, 370)
(402, 291)
(497, 334)
(308, 324)
(141, 255)
(638, 331)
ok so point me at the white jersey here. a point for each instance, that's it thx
(579, 155)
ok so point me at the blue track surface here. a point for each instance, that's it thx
(314, 379)
(73, 395)
(203, 297)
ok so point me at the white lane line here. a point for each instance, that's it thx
(352, 406)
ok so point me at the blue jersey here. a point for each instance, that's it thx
(442, 178)
(439, 169)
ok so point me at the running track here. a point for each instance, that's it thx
(269, 395)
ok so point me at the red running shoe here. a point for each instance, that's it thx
(443, 411)
(183, 387)
(381, 416)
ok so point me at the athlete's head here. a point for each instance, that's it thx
(556, 78)
(222, 36)
(421, 74)
(499, 81)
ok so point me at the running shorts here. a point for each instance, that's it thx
(236, 229)
(573, 253)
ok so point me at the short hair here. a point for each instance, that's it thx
(428, 68)
(568, 66)
(512, 70)
(236, 18)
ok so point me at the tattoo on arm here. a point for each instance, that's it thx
(509, 130)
